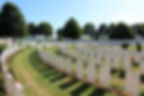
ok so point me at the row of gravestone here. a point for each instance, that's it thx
(117, 58)
(132, 80)
(12, 87)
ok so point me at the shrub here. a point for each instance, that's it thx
(125, 46)
(138, 47)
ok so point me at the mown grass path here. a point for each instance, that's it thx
(40, 80)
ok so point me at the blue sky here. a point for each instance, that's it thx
(57, 12)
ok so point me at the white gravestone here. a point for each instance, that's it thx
(18, 90)
(132, 83)
(9, 84)
(69, 66)
(137, 57)
(91, 72)
(105, 74)
(142, 64)
(127, 62)
(79, 68)
(116, 62)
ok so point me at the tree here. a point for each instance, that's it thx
(60, 33)
(12, 21)
(139, 29)
(122, 31)
(102, 31)
(0, 24)
(32, 29)
(45, 29)
(72, 29)
(89, 29)
(111, 29)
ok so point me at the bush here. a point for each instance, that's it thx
(125, 46)
(2, 47)
(138, 47)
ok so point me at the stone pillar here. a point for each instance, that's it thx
(132, 83)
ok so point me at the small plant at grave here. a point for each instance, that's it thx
(138, 47)
(2, 47)
(1, 86)
(121, 73)
(125, 46)
(135, 64)
(142, 78)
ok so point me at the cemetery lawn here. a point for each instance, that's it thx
(39, 79)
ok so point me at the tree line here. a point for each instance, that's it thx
(12, 24)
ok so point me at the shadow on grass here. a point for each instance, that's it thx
(98, 92)
(60, 77)
(68, 84)
(121, 73)
(80, 90)
(49, 73)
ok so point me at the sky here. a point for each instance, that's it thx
(57, 12)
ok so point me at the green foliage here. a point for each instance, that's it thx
(60, 33)
(2, 92)
(32, 28)
(45, 29)
(122, 31)
(2, 47)
(111, 29)
(102, 29)
(90, 30)
(139, 47)
(125, 46)
(12, 22)
(71, 30)
(139, 29)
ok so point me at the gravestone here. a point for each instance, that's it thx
(116, 62)
(79, 68)
(132, 83)
(127, 62)
(105, 74)
(68, 66)
(18, 90)
(91, 72)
